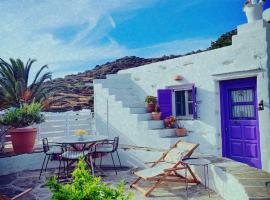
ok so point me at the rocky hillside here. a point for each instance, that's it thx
(74, 92)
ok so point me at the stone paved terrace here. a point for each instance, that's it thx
(12, 184)
(231, 180)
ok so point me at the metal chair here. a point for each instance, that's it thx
(74, 156)
(50, 150)
(107, 147)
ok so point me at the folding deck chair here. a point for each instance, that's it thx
(17, 197)
(167, 168)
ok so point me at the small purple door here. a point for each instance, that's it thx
(239, 114)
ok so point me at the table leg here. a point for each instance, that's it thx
(204, 173)
(207, 171)
(186, 181)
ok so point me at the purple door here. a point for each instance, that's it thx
(239, 114)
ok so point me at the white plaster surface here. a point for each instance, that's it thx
(246, 57)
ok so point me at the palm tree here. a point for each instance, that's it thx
(15, 88)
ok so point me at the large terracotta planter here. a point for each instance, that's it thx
(181, 132)
(23, 139)
(156, 115)
(151, 107)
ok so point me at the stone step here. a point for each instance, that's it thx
(137, 110)
(129, 98)
(122, 91)
(133, 104)
(153, 124)
(143, 116)
(163, 133)
(118, 76)
(114, 84)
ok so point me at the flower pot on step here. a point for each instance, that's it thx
(181, 132)
(150, 107)
(23, 139)
(156, 115)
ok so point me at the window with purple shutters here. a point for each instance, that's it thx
(179, 100)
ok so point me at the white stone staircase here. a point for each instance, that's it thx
(122, 95)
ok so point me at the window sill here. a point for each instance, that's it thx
(185, 118)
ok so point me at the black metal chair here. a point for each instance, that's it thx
(70, 156)
(51, 151)
(107, 147)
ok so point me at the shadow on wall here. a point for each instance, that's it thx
(126, 156)
(204, 130)
(111, 131)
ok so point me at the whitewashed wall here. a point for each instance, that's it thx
(246, 57)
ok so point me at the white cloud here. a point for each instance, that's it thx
(174, 47)
(112, 22)
(27, 29)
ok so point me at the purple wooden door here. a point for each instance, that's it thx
(165, 102)
(240, 131)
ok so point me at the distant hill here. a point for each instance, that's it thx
(75, 92)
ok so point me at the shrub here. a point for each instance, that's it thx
(86, 187)
(151, 99)
(25, 115)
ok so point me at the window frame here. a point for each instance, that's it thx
(186, 88)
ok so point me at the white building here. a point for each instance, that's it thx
(231, 100)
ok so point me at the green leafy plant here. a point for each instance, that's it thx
(157, 109)
(15, 86)
(151, 99)
(86, 187)
(25, 115)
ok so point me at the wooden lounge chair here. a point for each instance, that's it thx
(168, 168)
(17, 197)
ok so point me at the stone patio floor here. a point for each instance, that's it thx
(12, 184)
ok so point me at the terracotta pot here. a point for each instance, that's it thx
(181, 132)
(23, 139)
(151, 107)
(156, 115)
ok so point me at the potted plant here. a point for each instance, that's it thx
(180, 131)
(84, 186)
(156, 114)
(20, 121)
(169, 122)
(151, 103)
(253, 10)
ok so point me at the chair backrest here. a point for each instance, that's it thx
(115, 143)
(45, 144)
(180, 151)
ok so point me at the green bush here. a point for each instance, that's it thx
(86, 187)
(151, 99)
(25, 115)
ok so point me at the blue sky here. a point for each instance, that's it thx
(71, 36)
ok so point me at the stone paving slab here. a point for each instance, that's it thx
(13, 184)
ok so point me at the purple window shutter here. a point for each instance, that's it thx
(194, 93)
(165, 102)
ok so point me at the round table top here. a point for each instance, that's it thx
(196, 161)
(80, 140)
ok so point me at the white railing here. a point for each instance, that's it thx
(64, 124)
